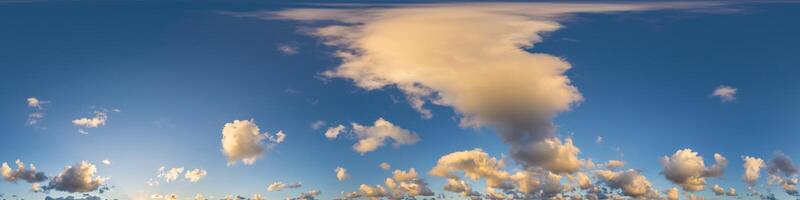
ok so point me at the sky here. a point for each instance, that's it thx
(437, 100)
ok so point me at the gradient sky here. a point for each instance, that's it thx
(179, 71)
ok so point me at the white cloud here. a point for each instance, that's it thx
(334, 132)
(99, 119)
(106, 162)
(474, 58)
(385, 166)
(372, 137)
(169, 175)
(78, 178)
(752, 169)
(599, 140)
(242, 140)
(288, 49)
(341, 173)
(731, 192)
(687, 169)
(195, 175)
(725, 93)
(278, 186)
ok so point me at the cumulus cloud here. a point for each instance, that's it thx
(106, 162)
(28, 174)
(195, 175)
(473, 58)
(169, 175)
(243, 140)
(385, 166)
(672, 194)
(341, 173)
(475, 164)
(731, 192)
(719, 191)
(461, 187)
(550, 154)
(752, 169)
(78, 178)
(278, 186)
(687, 169)
(725, 93)
(334, 132)
(631, 182)
(407, 184)
(35, 117)
(613, 164)
(372, 192)
(370, 138)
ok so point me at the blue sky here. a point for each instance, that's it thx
(179, 71)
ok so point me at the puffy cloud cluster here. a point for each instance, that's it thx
(28, 174)
(783, 172)
(473, 58)
(614, 164)
(169, 175)
(195, 175)
(407, 184)
(370, 138)
(725, 93)
(172, 174)
(461, 187)
(341, 173)
(475, 164)
(243, 140)
(78, 178)
(278, 186)
(687, 169)
(631, 182)
(752, 169)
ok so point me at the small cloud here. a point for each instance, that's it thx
(36, 117)
(278, 186)
(318, 124)
(242, 140)
(288, 49)
(725, 93)
(385, 166)
(195, 175)
(99, 119)
(599, 140)
(106, 162)
(341, 173)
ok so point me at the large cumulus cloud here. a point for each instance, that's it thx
(242, 140)
(473, 58)
(687, 169)
(78, 178)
